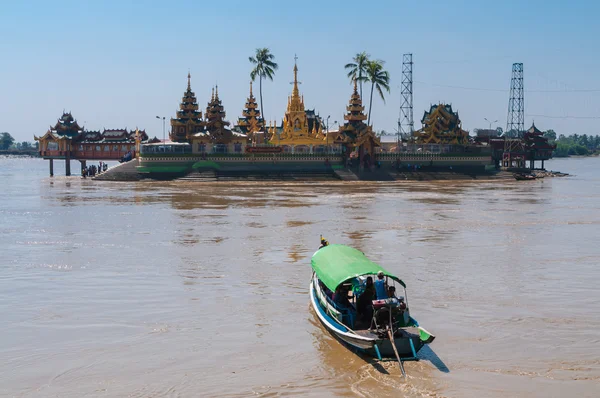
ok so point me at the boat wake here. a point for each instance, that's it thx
(384, 378)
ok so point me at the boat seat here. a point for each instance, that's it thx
(348, 316)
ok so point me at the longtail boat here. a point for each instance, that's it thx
(524, 177)
(378, 326)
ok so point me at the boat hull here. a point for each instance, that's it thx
(337, 329)
(369, 343)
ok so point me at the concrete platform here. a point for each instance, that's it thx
(121, 172)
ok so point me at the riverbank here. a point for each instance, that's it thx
(32, 154)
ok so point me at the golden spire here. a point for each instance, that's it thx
(212, 96)
(295, 91)
(189, 82)
(250, 88)
(355, 87)
(217, 92)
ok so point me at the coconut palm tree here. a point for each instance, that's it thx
(264, 68)
(358, 68)
(379, 78)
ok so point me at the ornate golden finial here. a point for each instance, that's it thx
(355, 87)
(189, 82)
(295, 91)
(250, 88)
(212, 95)
(216, 92)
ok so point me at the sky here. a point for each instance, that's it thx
(119, 64)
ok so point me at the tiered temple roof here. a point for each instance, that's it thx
(441, 126)
(188, 120)
(251, 122)
(355, 131)
(110, 136)
(215, 112)
(534, 140)
(216, 128)
(299, 127)
(66, 127)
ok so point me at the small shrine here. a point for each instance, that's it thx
(537, 146)
(355, 135)
(188, 120)
(60, 137)
(251, 123)
(67, 140)
(441, 125)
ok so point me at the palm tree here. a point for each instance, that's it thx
(379, 78)
(264, 68)
(358, 69)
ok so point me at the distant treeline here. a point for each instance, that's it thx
(8, 143)
(575, 144)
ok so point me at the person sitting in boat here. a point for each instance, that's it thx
(380, 287)
(340, 298)
(364, 305)
(392, 292)
(325, 289)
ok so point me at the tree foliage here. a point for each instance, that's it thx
(579, 145)
(6, 141)
(379, 79)
(264, 68)
(357, 69)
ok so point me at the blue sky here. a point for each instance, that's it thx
(120, 63)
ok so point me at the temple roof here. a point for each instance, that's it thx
(534, 130)
(441, 125)
(355, 108)
(67, 128)
(251, 121)
(66, 125)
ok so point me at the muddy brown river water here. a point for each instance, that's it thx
(154, 289)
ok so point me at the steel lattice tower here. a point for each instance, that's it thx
(515, 122)
(405, 122)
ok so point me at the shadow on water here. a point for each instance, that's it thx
(428, 354)
(328, 345)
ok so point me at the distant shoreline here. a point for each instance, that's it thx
(591, 155)
(31, 154)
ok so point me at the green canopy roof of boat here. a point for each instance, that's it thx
(335, 264)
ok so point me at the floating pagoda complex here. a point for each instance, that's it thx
(441, 125)
(300, 145)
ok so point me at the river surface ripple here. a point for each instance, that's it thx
(189, 289)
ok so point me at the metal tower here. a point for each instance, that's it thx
(405, 122)
(515, 123)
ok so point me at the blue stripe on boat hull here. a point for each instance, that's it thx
(338, 330)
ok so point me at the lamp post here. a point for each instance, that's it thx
(485, 118)
(163, 119)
